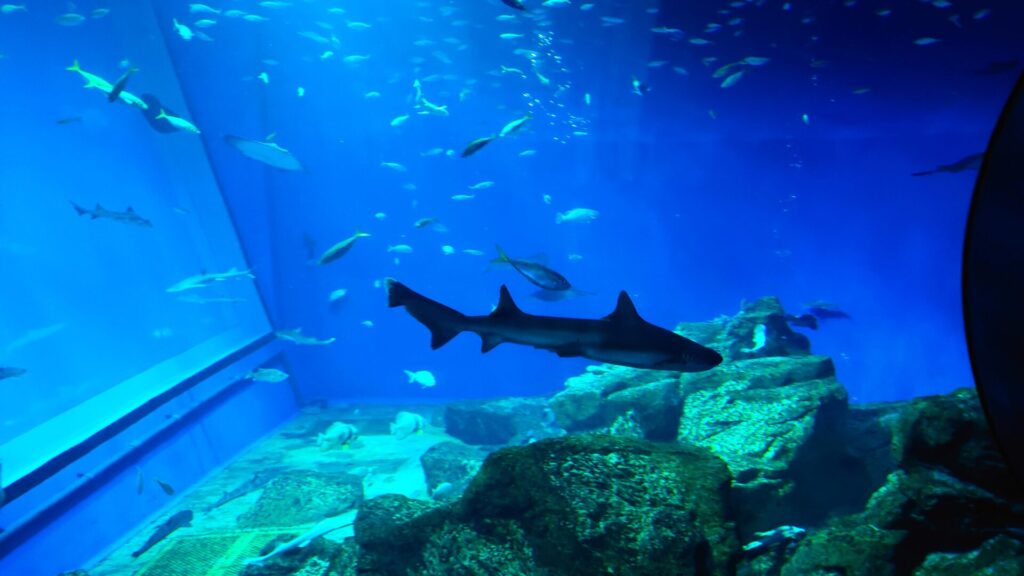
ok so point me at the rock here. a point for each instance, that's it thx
(915, 514)
(938, 512)
(399, 536)
(451, 462)
(597, 398)
(391, 531)
(950, 431)
(734, 337)
(599, 504)
(458, 549)
(849, 549)
(303, 497)
(778, 424)
(625, 426)
(870, 429)
(579, 505)
(495, 422)
(999, 556)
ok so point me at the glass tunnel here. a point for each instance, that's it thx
(505, 287)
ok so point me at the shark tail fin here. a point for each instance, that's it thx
(443, 322)
(78, 209)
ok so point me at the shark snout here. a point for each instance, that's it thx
(711, 359)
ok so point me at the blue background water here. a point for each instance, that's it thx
(707, 196)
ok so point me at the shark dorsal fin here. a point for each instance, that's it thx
(506, 306)
(130, 210)
(625, 311)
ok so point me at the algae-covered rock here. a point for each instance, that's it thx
(390, 533)
(778, 424)
(917, 513)
(851, 550)
(939, 510)
(495, 422)
(601, 395)
(759, 330)
(579, 505)
(451, 462)
(599, 504)
(870, 430)
(458, 549)
(778, 339)
(625, 426)
(999, 556)
(303, 497)
(950, 431)
(399, 536)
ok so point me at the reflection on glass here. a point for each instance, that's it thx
(116, 248)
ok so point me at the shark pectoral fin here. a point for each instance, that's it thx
(489, 342)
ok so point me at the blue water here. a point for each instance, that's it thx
(787, 183)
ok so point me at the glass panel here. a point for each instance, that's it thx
(102, 218)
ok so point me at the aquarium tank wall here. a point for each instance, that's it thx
(448, 287)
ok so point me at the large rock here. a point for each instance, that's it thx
(597, 398)
(399, 536)
(950, 432)
(778, 424)
(870, 430)
(735, 337)
(303, 497)
(451, 462)
(915, 514)
(390, 530)
(849, 549)
(938, 513)
(1000, 556)
(579, 505)
(496, 422)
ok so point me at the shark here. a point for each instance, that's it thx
(129, 216)
(323, 527)
(622, 337)
(206, 278)
(181, 519)
(969, 162)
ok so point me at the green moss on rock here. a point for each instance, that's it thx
(582, 505)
